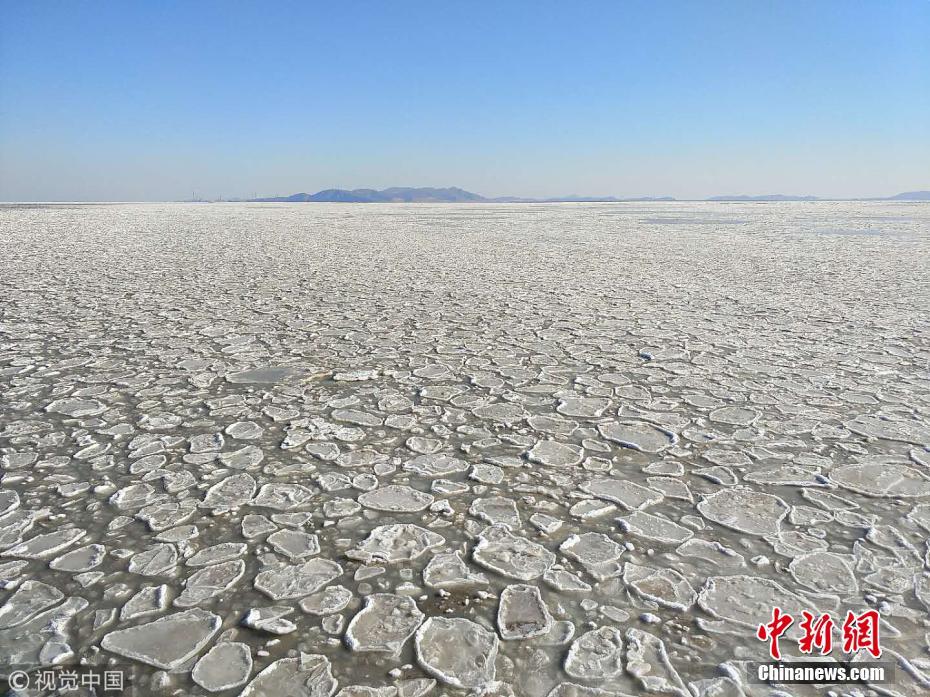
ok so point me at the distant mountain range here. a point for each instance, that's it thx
(910, 196)
(452, 194)
(906, 196)
(395, 194)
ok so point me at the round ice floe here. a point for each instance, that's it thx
(655, 528)
(151, 600)
(435, 465)
(449, 571)
(308, 675)
(442, 393)
(734, 416)
(366, 481)
(244, 430)
(328, 601)
(628, 494)
(502, 412)
(29, 599)
(361, 375)
(294, 544)
(364, 457)
(786, 475)
(664, 586)
(583, 407)
(395, 543)
(702, 401)
(282, 496)
(638, 435)
(9, 501)
(727, 458)
(459, 652)
(254, 525)
(423, 446)
(163, 421)
(745, 510)
(595, 655)
(206, 443)
(158, 560)
(268, 375)
(794, 543)
(496, 509)
(165, 643)
(824, 572)
(586, 509)
(672, 487)
(209, 582)
(647, 660)
(882, 479)
(554, 454)
(245, 458)
(76, 408)
(566, 582)
(384, 624)
(515, 557)
(570, 689)
(914, 432)
(550, 423)
(47, 545)
(614, 378)
(522, 614)
(223, 667)
(215, 554)
(748, 600)
(340, 508)
(230, 492)
(327, 452)
(133, 496)
(486, 474)
(356, 417)
(591, 548)
(434, 371)
(81, 559)
(270, 619)
(297, 581)
(396, 498)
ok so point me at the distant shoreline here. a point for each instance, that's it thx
(44, 204)
(457, 195)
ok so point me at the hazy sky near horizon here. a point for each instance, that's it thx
(157, 100)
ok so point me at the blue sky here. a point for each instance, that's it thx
(154, 100)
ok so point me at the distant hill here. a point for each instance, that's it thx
(766, 197)
(397, 194)
(453, 194)
(911, 196)
(906, 196)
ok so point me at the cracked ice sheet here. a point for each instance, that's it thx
(611, 443)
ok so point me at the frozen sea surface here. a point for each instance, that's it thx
(393, 450)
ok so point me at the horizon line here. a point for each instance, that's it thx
(913, 195)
